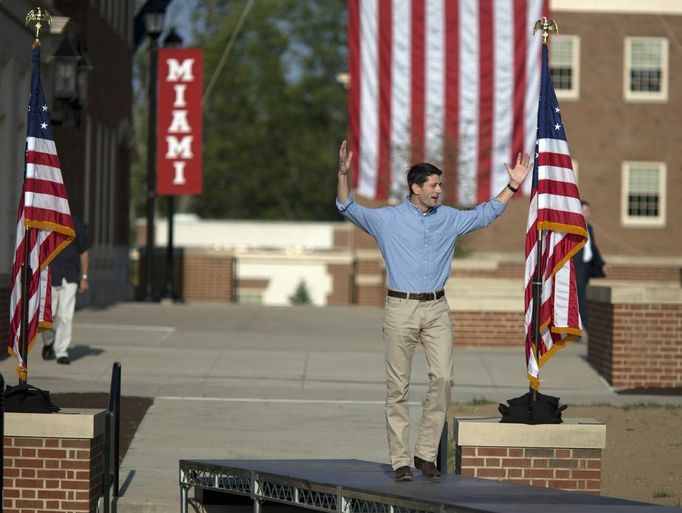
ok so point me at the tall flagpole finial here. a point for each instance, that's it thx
(38, 16)
(547, 26)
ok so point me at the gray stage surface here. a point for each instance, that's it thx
(355, 486)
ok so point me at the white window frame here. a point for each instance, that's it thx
(574, 92)
(645, 96)
(643, 222)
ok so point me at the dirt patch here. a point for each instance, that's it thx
(642, 460)
(133, 410)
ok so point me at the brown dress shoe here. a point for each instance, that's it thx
(428, 468)
(403, 474)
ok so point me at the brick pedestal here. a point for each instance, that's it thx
(565, 456)
(53, 462)
(635, 335)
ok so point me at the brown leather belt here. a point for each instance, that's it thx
(417, 296)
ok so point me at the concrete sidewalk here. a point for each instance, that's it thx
(232, 381)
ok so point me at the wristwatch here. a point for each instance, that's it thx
(84, 276)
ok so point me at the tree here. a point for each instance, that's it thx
(274, 120)
(300, 295)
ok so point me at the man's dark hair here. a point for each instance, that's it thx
(419, 173)
(584, 203)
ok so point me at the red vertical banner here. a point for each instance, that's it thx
(179, 121)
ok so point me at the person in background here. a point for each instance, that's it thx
(69, 275)
(417, 239)
(588, 264)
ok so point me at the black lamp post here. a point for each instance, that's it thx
(172, 40)
(154, 12)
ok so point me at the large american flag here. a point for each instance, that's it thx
(44, 209)
(454, 82)
(556, 214)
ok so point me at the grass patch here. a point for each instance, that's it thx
(480, 401)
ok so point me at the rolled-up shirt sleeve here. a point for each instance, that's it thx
(367, 219)
(479, 217)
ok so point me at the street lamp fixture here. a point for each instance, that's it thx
(172, 39)
(154, 13)
(70, 83)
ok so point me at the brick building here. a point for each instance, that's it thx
(617, 69)
(87, 77)
(94, 149)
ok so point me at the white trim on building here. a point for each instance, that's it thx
(618, 6)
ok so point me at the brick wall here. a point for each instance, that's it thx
(199, 275)
(636, 344)
(370, 295)
(566, 469)
(476, 328)
(666, 274)
(342, 284)
(207, 277)
(55, 472)
(369, 277)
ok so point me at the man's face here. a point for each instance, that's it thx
(586, 213)
(426, 196)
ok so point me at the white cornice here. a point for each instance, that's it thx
(618, 6)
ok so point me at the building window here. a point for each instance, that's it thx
(644, 194)
(646, 69)
(564, 66)
(250, 297)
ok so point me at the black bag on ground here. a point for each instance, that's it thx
(26, 398)
(522, 410)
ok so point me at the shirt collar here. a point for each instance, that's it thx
(414, 208)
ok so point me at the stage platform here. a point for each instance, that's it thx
(355, 486)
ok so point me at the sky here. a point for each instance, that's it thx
(179, 15)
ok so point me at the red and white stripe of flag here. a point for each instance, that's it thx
(555, 208)
(44, 208)
(451, 82)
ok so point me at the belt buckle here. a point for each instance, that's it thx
(425, 296)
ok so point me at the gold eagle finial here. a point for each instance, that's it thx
(38, 16)
(547, 26)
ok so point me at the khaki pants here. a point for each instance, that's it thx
(405, 323)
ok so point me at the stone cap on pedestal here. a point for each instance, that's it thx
(67, 423)
(490, 432)
(636, 294)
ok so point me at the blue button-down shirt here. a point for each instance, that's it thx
(418, 247)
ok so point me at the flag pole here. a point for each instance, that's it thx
(537, 297)
(547, 27)
(26, 275)
(36, 16)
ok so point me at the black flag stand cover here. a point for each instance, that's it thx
(25, 398)
(544, 409)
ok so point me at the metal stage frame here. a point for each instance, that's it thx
(356, 486)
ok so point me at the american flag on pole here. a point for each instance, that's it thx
(453, 82)
(555, 215)
(44, 210)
